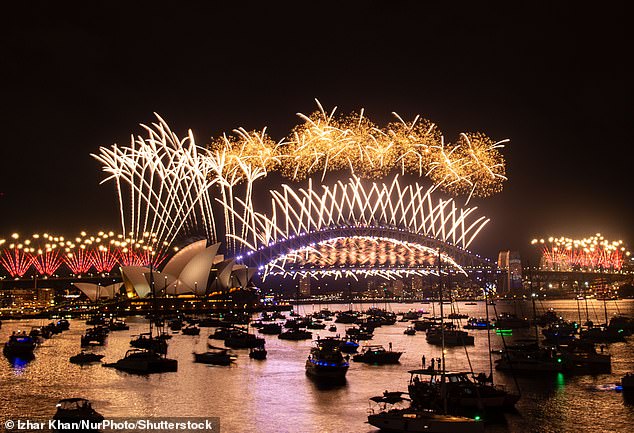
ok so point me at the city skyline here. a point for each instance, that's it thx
(555, 87)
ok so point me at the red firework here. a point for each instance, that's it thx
(79, 261)
(47, 262)
(16, 261)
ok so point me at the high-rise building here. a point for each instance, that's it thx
(510, 262)
(304, 286)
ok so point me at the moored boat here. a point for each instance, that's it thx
(20, 345)
(377, 354)
(391, 418)
(325, 360)
(143, 361)
(76, 410)
(216, 356)
(85, 358)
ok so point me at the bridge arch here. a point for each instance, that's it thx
(357, 249)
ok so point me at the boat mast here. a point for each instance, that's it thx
(486, 309)
(152, 318)
(533, 295)
(442, 330)
(605, 294)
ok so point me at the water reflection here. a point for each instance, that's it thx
(276, 395)
(19, 364)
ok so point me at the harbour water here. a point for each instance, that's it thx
(275, 395)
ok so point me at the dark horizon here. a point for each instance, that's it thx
(551, 78)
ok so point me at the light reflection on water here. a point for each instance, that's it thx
(276, 396)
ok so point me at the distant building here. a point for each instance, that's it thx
(511, 263)
(304, 286)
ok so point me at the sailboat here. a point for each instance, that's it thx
(146, 360)
(459, 391)
(531, 357)
(416, 417)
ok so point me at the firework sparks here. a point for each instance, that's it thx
(593, 253)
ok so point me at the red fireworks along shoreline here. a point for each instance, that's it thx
(50, 255)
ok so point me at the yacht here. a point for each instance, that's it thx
(147, 341)
(295, 334)
(143, 361)
(239, 339)
(216, 356)
(75, 410)
(388, 416)
(85, 358)
(271, 328)
(20, 345)
(511, 321)
(377, 355)
(326, 361)
(540, 359)
(118, 325)
(258, 352)
(478, 323)
(452, 337)
(463, 391)
(94, 336)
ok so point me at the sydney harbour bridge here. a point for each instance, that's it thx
(378, 222)
(375, 223)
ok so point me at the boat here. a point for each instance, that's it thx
(316, 324)
(118, 325)
(190, 330)
(216, 356)
(361, 333)
(457, 316)
(221, 333)
(389, 417)
(581, 355)
(376, 354)
(271, 328)
(349, 346)
(511, 321)
(239, 339)
(409, 331)
(258, 352)
(346, 317)
(602, 334)
(540, 359)
(471, 303)
(411, 315)
(76, 410)
(333, 328)
(627, 382)
(325, 360)
(94, 336)
(85, 358)
(175, 324)
(561, 332)
(63, 324)
(147, 341)
(20, 345)
(448, 337)
(463, 391)
(149, 354)
(478, 323)
(144, 361)
(295, 334)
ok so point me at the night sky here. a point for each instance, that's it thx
(553, 78)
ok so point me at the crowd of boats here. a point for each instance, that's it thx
(437, 399)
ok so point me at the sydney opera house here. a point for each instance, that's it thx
(196, 271)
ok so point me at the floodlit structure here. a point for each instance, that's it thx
(96, 292)
(194, 270)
